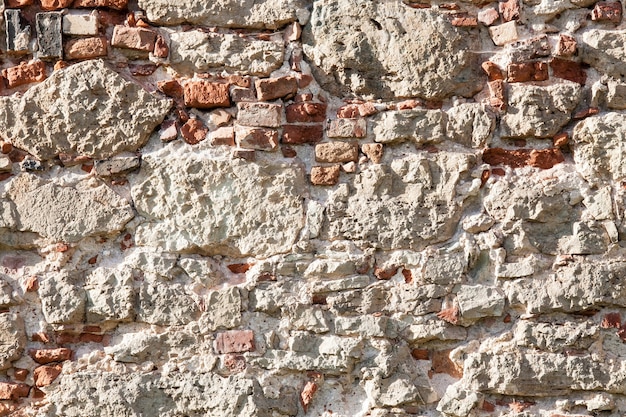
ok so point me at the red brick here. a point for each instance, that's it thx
(239, 268)
(443, 365)
(306, 113)
(607, 11)
(171, 88)
(347, 128)
(223, 136)
(463, 20)
(241, 94)
(306, 396)
(20, 374)
(91, 338)
(560, 139)
(488, 407)
(407, 105)
(566, 46)
(85, 48)
(325, 175)
(235, 363)
(133, 38)
(450, 315)
(488, 16)
(247, 154)
(142, 69)
(590, 111)
(46, 374)
(612, 320)
(544, 158)
(14, 4)
(385, 273)
(161, 49)
(13, 391)
(527, 71)
(351, 111)
(55, 4)
(206, 95)
(32, 284)
(40, 337)
(111, 4)
(25, 73)
(234, 341)
(194, 131)
(256, 138)
(44, 356)
(420, 354)
(568, 70)
(509, 10)
(273, 88)
(301, 134)
(492, 70)
(496, 95)
(337, 152)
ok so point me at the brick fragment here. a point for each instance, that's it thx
(171, 88)
(325, 175)
(347, 128)
(509, 10)
(247, 154)
(612, 320)
(492, 70)
(543, 158)
(13, 391)
(301, 134)
(161, 48)
(560, 139)
(527, 71)
(273, 88)
(442, 364)
(566, 46)
(337, 152)
(259, 114)
(241, 268)
(20, 374)
(206, 94)
(46, 374)
(607, 11)
(222, 136)
(241, 94)
(351, 111)
(450, 315)
(306, 113)
(374, 151)
(463, 20)
(85, 48)
(504, 33)
(306, 396)
(234, 363)
(568, 70)
(496, 95)
(142, 69)
(256, 138)
(194, 131)
(385, 274)
(488, 16)
(234, 341)
(420, 354)
(81, 24)
(590, 111)
(111, 4)
(25, 73)
(133, 38)
(288, 151)
(45, 356)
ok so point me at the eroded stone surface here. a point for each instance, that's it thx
(12, 338)
(86, 109)
(384, 49)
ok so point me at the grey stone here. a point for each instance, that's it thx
(198, 51)
(394, 391)
(457, 401)
(165, 304)
(477, 301)
(86, 109)
(212, 210)
(12, 339)
(330, 268)
(382, 49)
(419, 126)
(80, 23)
(444, 268)
(205, 271)
(555, 336)
(223, 309)
(63, 299)
(137, 347)
(616, 95)
(49, 37)
(539, 111)
(264, 14)
(360, 281)
(409, 205)
(117, 165)
(6, 294)
(67, 213)
(110, 295)
(419, 300)
(284, 359)
(162, 264)
(470, 124)
(603, 49)
(17, 32)
(365, 326)
(425, 329)
(305, 317)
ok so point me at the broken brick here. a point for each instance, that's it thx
(539, 158)
(234, 341)
(568, 70)
(301, 134)
(25, 73)
(273, 88)
(607, 11)
(133, 38)
(45, 356)
(325, 175)
(306, 113)
(206, 95)
(85, 48)
(527, 71)
(194, 131)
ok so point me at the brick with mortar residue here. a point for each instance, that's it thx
(259, 114)
(347, 128)
(325, 175)
(25, 73)
(301, 134)
(222, 136)
(194, 131)
(44, 356)
(256, 138)
(566, 46)
(247, 154)
(496, 95)
(352, 111)
(111, 4)
(504, 33)
(539, 158)
(242, 94)
(20, 374)
(374, 151)
(161, 48)
(612, 320)
(49, 37)
(607, 11)
(234, 341)
(206, 94)
(527, 71)
(133, 38)
(171, 88)
(492, 70)
(442, 364)
(85, 48)
(13, 391)
(568, 70)
(46, 374)
(488, 16)
(82, 24)
(337, 152)
(306, 113)
(17, 32)
(463, 20)
(273, 88)
(509, 10)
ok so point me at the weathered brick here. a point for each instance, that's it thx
(301, 134)
(242, 94)
(44, 356)
(25, 73)
(206, 94)
(527, 71)
(607, 11)
(13, 4)
(133, 38)
(234, 341)
(306, 113)
(247, 154)
(20, 374)
(171, 88)
(259, 114)
(325, 175)
(509, 9)
(13, 391)
(49, 38)
(566, 46)
(306, 396)
(85, 48)
(223, 136)
(194, 131)
(568, 70)
(337, 152)
(496, 95)
(612, 320)
(17, 32)
(352, 111)
(55, 4)
(46, 374)
(82, 24)
(504, 33)
(256, 138)
(539, 158)
(488, 16)
(442, 364)
(273, 88)
(347, 128)
(492, 70)
(374, 151)
(111, 4)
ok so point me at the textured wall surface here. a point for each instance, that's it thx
(334, 208)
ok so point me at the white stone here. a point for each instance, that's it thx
(80, 23)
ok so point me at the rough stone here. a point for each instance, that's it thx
(256, 138)
(25, 73)
(133, 38)
(470, 124)
(325, 175)
(82, 24)
(344, 39)
(164, 304)
(12, 339)
(477, 301)
(420, 126)
(110, 295)
(206, 95)
(539, 111)
(63, 299)
(336, 152)
(273, 88)
(603, 50)
(223, 309)
(86, 109)
(197, 51)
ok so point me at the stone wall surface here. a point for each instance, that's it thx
(333, 208)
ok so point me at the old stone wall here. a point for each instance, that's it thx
(335, 208)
